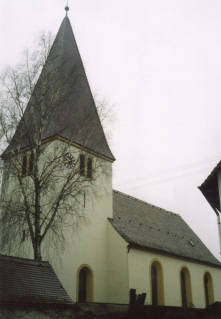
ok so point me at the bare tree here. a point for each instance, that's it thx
(50, 165)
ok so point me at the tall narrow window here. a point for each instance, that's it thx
(208, 288)
(31, 163)
(183, 289)
(154, 285)
(82, 286)
(82, 164)
(85, 284)
(185, 284)
(157, 286)
(24, 167)
(89, 167)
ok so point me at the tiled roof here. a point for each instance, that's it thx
(62, 100)
(29, 282)
(147, 226)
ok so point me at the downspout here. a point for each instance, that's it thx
(219, 230)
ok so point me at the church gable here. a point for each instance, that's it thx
(147, 226)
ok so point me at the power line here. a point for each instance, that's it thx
(168, 171)
(167, 180)
(107, 189)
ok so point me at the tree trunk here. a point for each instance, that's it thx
(37, 250)
(37, 239)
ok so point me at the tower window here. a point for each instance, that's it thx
(31, 164)
(82, 165)
(24, 167)
(89, 167)
(27, 165)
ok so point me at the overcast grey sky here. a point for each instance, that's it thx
(159, 62)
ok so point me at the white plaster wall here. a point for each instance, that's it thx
(117, 268)
(139, 262)
(89, 245)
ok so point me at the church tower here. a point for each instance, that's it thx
(57, 180)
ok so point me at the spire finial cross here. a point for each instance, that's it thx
(67, 8)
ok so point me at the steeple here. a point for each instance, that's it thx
(67, 9)
(62, 101)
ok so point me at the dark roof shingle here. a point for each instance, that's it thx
(29, 282)
(145, 225)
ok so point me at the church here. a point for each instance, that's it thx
(57, 194)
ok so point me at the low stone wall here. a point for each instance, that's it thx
(119, 311)
(101, 310)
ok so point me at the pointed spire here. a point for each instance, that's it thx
(63, 92)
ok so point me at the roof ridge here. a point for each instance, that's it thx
(63, 36)
(25, 260)
(146, 203)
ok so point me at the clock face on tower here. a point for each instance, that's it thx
(69, 160)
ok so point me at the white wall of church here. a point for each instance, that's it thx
(117, 268)
(140, 277)
(89, 246)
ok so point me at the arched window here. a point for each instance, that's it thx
(85, 284)
(82, 164)
(82, 286)
(208, 288)
(24, 167)
(89, 167)
(154, 285)
(157, 288)
(183, 288)
(186, 294)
